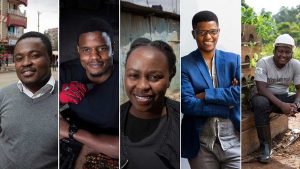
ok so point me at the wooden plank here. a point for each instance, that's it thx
(249, 139)
(247, 121)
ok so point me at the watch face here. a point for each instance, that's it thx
(72, 130)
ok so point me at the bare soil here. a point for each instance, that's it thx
(282, 157)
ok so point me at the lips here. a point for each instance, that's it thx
(96, 65)
(282, 60)
(208, 43)
(27, 72)
(143, 99)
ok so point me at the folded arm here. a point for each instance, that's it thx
(106, 144)
(191, 105)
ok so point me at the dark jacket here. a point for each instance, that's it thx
(169, 148)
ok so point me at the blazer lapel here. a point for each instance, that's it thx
(199, 61)
(220, 68)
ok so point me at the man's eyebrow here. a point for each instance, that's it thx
(102, 45)
(30, 52)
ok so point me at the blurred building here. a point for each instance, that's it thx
(53, 36)
(12, 23)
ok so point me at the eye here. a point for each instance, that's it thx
(155, 77)
(213, 32)
(35, 55)
(102, 48)
(202, 33)
(18, 58)
(86, 50)
(199, 32)
(133, 76)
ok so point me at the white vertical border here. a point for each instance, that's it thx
(119, 84)
(58, 81)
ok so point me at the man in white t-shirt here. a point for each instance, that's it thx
(273, 75)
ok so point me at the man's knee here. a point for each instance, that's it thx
(260, 104)
(261, 109)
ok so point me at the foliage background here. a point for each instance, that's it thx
(269, 26)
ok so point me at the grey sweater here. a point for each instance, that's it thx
(28, 130)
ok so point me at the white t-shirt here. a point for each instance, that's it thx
(278, 80)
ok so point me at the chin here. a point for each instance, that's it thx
(98, 74)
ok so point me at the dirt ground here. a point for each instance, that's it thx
(282, 157)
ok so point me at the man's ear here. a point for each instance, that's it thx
(77, 48)
(193, 33)
(112, 47)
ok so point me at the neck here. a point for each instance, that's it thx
(35, 87)
(101, 78)
(208, 55)
(154, 113)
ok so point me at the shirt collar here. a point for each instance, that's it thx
(47, 88)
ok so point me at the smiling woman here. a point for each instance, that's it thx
(150, 121)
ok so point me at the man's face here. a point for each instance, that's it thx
(95, 52)
(32, 63)
(282, 55)
(206, 34)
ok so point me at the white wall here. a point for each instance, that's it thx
(229, 15)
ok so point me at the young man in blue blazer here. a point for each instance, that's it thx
(210, 99)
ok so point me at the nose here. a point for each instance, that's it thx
(207, 36)
(95, 54)
(143, 84)
(26, 61)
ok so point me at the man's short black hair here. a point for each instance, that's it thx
(162, 46)
(95, 24)
(45, 40)
(204, 16)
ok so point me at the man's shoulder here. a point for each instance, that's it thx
(188, 57)
(295, 62)
(266, 59)
(9, 89)
(74, 63)
(72, 71)
(227, 54)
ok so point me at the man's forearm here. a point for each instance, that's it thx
(106, 144)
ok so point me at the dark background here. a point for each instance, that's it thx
(74, 12)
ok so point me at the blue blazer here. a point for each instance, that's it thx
(195, 79)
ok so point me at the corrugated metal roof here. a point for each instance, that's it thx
(146, 11)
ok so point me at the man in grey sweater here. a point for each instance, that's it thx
(28, 108)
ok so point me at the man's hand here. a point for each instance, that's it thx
(200, 96)
(289, 109)
(72, 92)
(63, 128)
(235, 82)
(294, 109)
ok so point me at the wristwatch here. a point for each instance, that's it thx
(72, 130)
